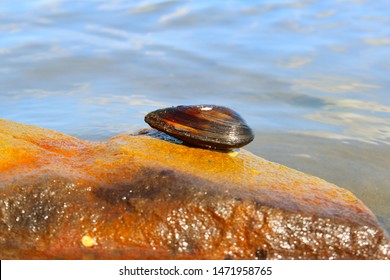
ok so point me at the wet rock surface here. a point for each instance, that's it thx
(145, 196)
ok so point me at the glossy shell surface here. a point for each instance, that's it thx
(206, 126)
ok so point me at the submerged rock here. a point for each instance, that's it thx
(142, 197)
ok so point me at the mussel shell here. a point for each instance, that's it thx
(206, 126)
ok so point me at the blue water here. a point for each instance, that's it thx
(311, 77)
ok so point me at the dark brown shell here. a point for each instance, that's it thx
(206, 126)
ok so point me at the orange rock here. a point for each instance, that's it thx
(143, 197)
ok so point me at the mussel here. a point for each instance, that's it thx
(205, 126)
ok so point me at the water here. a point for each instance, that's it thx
(311, 77)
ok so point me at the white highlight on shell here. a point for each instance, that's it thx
(206, 108)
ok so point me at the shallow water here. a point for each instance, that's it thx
(311, 77)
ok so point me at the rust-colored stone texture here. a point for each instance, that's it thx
(143, 197)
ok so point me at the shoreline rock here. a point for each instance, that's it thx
(141, 196)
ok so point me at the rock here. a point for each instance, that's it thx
(143, 197)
